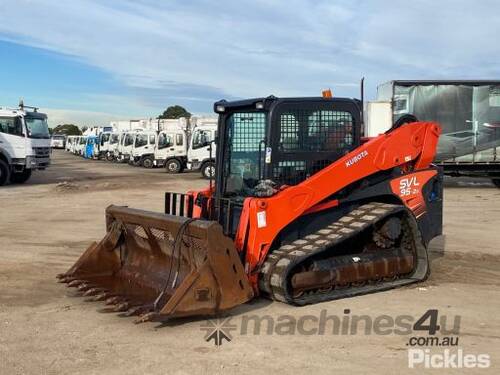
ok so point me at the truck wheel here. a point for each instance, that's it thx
(496, 182)
(4, 173)
(173, 166)
(208, 170)
(147, 162)
(21, 177)
(109, 157)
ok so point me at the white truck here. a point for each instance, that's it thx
(105, 146)
(80, 145)
(24, 143)
(143, 148)
(124, 149)
(171, 149)
(201, 151)
(176, 150)
(58, 141)
(70, 140)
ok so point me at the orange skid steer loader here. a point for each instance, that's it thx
(302, 210)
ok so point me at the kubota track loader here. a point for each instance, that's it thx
(302, 210)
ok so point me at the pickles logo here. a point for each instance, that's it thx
(218, 330)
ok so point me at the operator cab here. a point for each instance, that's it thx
(267, 143)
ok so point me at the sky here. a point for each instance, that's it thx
(89, 62)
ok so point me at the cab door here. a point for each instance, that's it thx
(12, 137)
(199, 149)
(179, 144)
(165, 145)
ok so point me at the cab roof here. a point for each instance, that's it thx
(272, 100)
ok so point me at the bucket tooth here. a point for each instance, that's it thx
(67, 279)
(101, 296)
(84, 287)
(115, 300)
(138, 310)
(121, 307)
(75, 283)
(93, 291)
(148, 317)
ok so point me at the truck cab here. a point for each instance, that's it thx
(171, 149)
(58, 141)
(125, 146)
(24, 143)
(104, 144)
(69, 142)
(201, 152)
(143, 149)
(80, 147)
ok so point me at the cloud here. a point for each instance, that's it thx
(201, 50)
(58, 116)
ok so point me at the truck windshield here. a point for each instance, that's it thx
(114, 139)
(37, 127)
(244, 146)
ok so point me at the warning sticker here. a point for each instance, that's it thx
(261, 219)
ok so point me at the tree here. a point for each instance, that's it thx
(175, 111)
(85, 127)
(68, 129)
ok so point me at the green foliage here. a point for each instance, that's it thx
(68, 129)
(175, 111)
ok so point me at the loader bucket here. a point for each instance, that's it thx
(161, 266)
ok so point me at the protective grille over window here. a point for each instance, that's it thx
(316, 131)
(244, 152)
(310, 140)
(248, 131)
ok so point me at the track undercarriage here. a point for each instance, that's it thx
(375, 247)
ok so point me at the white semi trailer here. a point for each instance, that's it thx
(24, 143)
(468, 112)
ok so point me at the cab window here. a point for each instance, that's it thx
(141, 140)
(201, 138)
(179, 139)
(11, 125)
(129, 140)
(165, 140)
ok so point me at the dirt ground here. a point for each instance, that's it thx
(44, 329)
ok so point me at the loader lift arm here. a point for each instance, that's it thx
(410, 146)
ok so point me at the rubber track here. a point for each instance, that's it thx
(276, 271)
